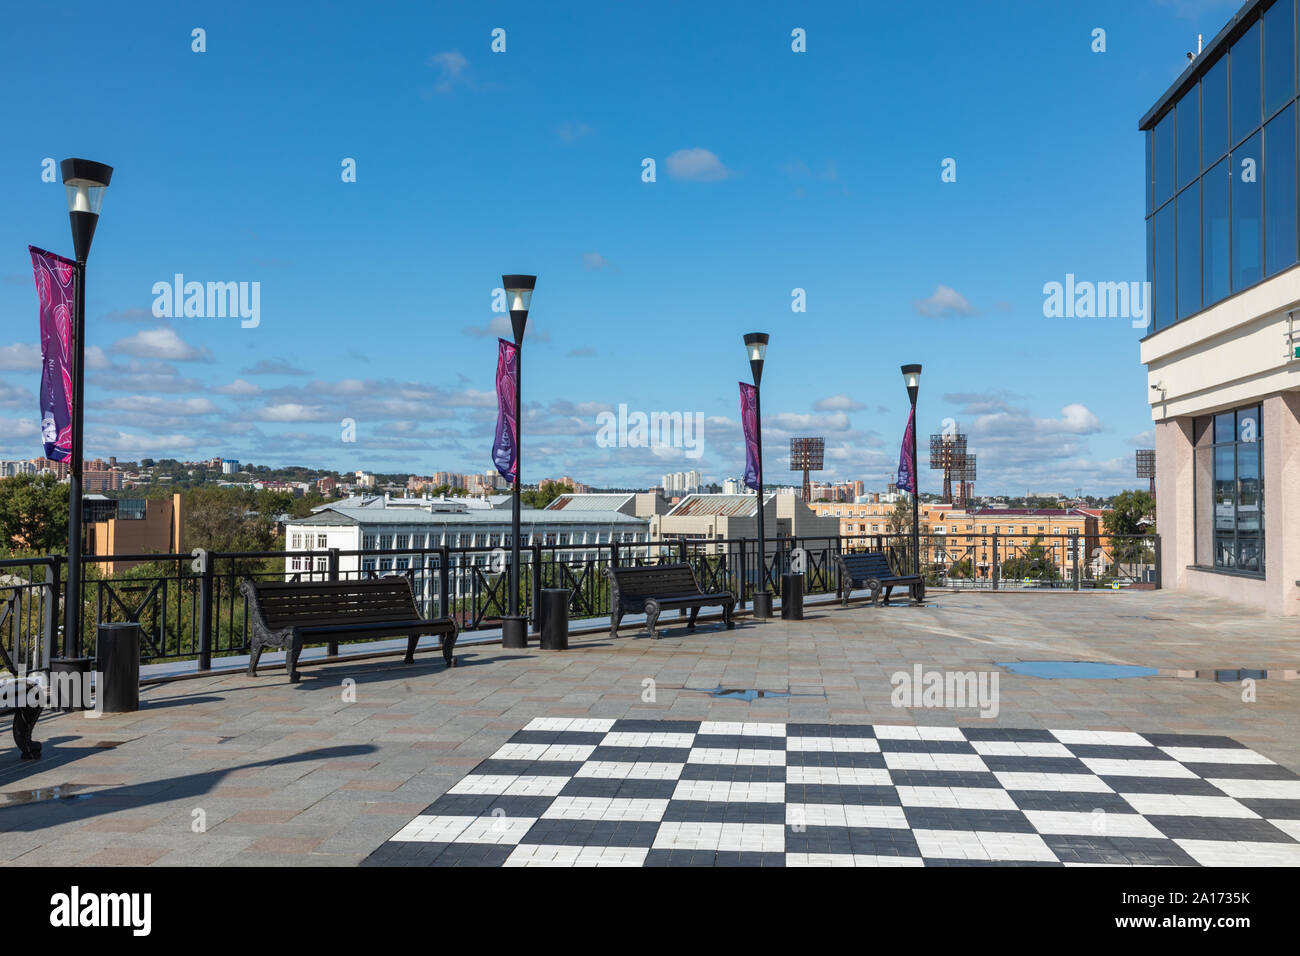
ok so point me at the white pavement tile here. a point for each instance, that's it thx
(1229, 853)
(636, 739)
(1102, 824)
(982, 845)
(1216, 755)
(465, 829)
(835, 745)
(528, 854)
(1015, 748)
(1258, 789)
(1183, 805)
(728, 757)
(1289, 827)
(562, 752)
(746, 837)
(585, 724)
(959, 798)
(730, 791)
(838, 776)
(850, 859)
(1113, 767)
(909, 732)
(840, 815)
(746, 729)
(606, 808)
(625, 770)
(1114, 738)
(1053, 782)
(908, 760)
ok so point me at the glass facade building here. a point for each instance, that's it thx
(1221, 169)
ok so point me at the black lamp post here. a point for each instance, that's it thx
(912, 376)
(519, 292)
(756, 349)
(86, 182)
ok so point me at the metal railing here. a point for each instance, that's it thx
(189, 605)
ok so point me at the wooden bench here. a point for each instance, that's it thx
(287, 615)
(870, 569)
(653, 588)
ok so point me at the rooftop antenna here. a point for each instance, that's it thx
(1193, 56)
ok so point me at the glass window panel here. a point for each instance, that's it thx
(1148, 175)
(1214, 112)
(1189, 136)
(1244, 63)
(1248, 429)
(1279, 55)
(1225, 498)
(1280, 191)
(1163, 290)
(1216, 274)
(1247, 221)
(1224, 427)
(1164, 159)
(1189, 250)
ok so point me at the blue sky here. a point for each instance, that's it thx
(775, 170)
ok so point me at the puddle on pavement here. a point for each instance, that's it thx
(1087, 670)
(747, 693)
(66, 791)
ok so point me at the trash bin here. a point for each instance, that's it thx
(555, 619)
(119, 668)
(792, 597)
(68, 683)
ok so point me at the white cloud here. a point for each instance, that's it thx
(292, 412)
(161, 343)
(697, 165)
(838, 403)
(451, 65)
(20, 357)
(240, 388)
(945, 301)
(594, 260)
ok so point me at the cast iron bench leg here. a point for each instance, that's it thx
(727, 608)
(254, 656)
(613, 622)
(651, 616)
(690, 623)
(448, 648)
(24, 723)
(291, 660)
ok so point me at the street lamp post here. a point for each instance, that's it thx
(86, 182)
(912, 377)
(519, 293)
(756, 349)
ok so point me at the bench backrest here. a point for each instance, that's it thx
(655, 580)
(867, 564)
(304, 603)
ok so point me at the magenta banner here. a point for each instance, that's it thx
(56, 287)
(505, 448)
(749, 419)
(906, 480)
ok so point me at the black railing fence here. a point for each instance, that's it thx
(189, 605)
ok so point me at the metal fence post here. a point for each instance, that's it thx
(1159, 579)
(744, 573)
(333, 565)
(204, 561)
(995, 560)
(50, 622)
(681, 550)
(1075, 553)
(444, 581)
(536, 578)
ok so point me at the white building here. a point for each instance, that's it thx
(1223, 349)
(373, 532)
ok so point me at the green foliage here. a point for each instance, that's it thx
(1034, 563)
(226, 519)
(1132, 513)
(541, 497)
(33, 515)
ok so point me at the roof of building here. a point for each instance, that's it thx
(594, 501)
(1210, 53)
(335, 515)
(730, 505)
(1027, 512)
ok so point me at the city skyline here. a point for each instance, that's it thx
(370, 301)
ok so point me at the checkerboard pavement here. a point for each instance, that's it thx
(604, 792)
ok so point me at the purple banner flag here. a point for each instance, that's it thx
(505, 449)
(749, 419)
(906, 480)
(56, 286)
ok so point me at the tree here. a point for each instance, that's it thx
(899, 527)
(541, 497)
(1035, 563)
(33, 514)
(1131, 513)
(223, 519)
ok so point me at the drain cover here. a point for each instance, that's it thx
(65, 791)
(1089, 670)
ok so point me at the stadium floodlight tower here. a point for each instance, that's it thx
(947, 453)
(1146, 466)
(807, 454)
(964, 474)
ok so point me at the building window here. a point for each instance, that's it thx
(1247, 214)
(295, 542)
(1280, 192)
(367, 564)
(1229, 490)
(403, 542)
(367, 542)
(385, 542)
(403, 563)
(1246, 97)
(322, 541)
(385, 564)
